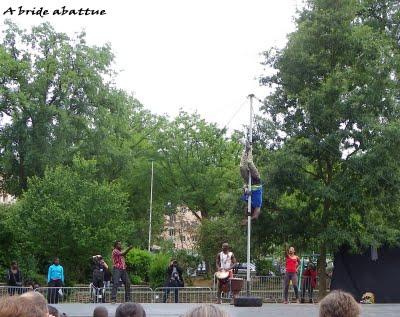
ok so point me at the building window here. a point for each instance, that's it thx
(172, 218)
(171, 232)
(183, 238)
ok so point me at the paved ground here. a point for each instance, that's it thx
(267, 310)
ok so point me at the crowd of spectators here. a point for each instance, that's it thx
(33, 304)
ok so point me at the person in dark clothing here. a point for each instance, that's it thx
(174, 280)
(14, 279)
(309, 282)
(100, 268)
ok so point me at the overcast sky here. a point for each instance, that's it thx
(198, 55)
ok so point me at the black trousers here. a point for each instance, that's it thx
(168, 289)
(98, 284)
(123, 275)
(306, 285)
(53, 295)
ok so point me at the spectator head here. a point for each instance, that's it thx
(14, 265)
(310, 266)
(100, 311)
(53, 311)
(339, 304)
(225, 247)
(130, 310)
(30, 304)
(117, 245)
(292, 251)
(206, 310)
(9, 307)
(35, 303)
(56, 261)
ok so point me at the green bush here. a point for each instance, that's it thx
(264, 266)
(135, 279)
(158, 267)
(138, 263)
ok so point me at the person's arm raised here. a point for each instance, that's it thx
(127, 250)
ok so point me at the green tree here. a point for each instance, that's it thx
(334, 112)
(69, 214)
(57, 100)
(218, 230)
(199, 165)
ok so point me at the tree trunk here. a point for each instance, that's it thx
(321, 272)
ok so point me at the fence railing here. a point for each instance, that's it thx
(184, 295)
(269, 288)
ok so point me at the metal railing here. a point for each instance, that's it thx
(91, 294)
(13, 290)
(269, 288)
(184, 295)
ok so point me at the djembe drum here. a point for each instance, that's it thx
(223, 279)
(236, 286)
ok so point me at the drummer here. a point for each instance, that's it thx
(225, 263)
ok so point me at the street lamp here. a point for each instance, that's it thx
(151, 201)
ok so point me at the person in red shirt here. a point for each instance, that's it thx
(292, 263)
(119, 271)
(309, 282)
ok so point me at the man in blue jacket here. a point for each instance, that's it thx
(55, 280)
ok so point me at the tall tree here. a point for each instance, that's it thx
(199, 165)
(335, 112)
(54, 92)
(68, 213)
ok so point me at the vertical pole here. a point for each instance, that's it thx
(151, 201)
(248, 279)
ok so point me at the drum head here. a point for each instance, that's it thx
(222, 275)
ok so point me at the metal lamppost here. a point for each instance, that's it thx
(151, 201)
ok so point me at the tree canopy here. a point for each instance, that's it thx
(335, 113)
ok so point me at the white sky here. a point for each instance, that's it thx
(199, 55)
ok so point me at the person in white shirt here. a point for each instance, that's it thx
(225, 262)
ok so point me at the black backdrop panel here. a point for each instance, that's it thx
(358, 274)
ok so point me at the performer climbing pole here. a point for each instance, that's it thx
(253, 196)
(252, 174)
(253, 189)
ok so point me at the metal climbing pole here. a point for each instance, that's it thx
(248, 278)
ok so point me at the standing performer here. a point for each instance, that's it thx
(14, 279)
(119, 271)
(247, 167)
(225, 262)
(100, 268)
(309, 282)
(174, 280)
(55, 280)
(292, 263)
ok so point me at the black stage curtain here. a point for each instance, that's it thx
(358, 273)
